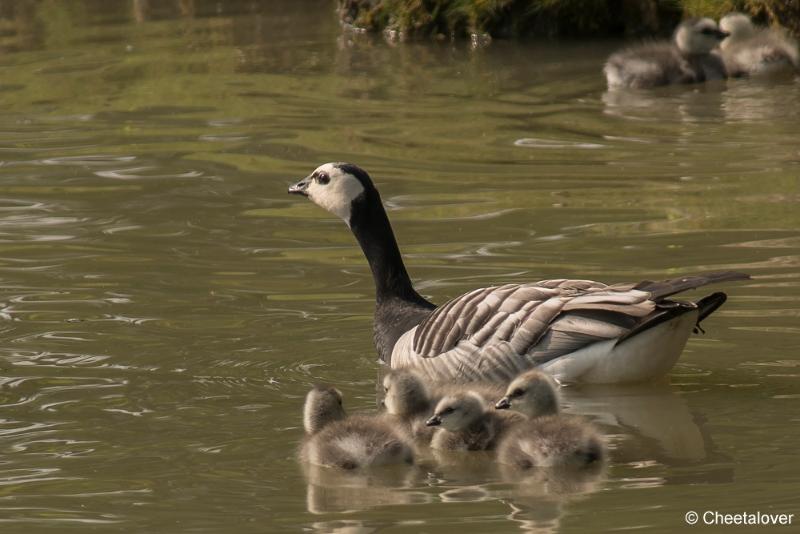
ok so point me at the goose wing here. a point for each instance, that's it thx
(543, 320)
(522, 314)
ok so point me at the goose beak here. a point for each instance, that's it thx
(503, 404)
(434, 421)
(300, 188)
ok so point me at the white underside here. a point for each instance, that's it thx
(647, 356)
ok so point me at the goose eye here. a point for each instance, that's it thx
(323, 178)
(386, 389)
(448, 410)
(517, 392)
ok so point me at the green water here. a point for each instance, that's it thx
(164, 305)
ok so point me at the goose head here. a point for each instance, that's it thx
(532, 393)
(457, 412)
(337, 188)
(323, 405)
(698, 36)
(405, 393)
(738, 25)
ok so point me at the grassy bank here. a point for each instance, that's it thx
(446, 19)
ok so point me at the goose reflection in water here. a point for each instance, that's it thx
(650, 422)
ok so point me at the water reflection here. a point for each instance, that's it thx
(331, 490)
(670, 104)
(164, 306)
(650, 421)
(760, 100)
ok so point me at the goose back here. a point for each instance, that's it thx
(497, 332)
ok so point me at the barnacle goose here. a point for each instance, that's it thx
(546, 439)
(465, 424)
(356, 442)
(751, 51)
(411, 399)
(576, 330)
(688, 58)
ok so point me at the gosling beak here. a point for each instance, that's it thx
(434, 421)
(722, 34)
(503, 404)
(300, 188)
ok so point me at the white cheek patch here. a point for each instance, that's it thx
(338, 194)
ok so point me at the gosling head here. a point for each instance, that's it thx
(457, 412)
(698, 36)
(405, 393)
(323, 405)
(532, 393)
(738, 25)
(337, 188)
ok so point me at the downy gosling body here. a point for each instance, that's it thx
(547, 439)
(407, 397)
(356, 442)
(755, 51)
(410, 398)
(689, 58)
(465, 424)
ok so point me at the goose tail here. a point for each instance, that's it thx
(707, 306)
(665, 288)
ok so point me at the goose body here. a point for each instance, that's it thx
(578, 330)
(752, 51)
(356, 442)
(688, 58)
(546, 439)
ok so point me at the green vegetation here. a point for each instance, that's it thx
(516, 18)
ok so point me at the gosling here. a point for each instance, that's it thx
(752, 51)
(356, 442)
(547, 439)
(407, 397)
(465, 424)
(688, 58)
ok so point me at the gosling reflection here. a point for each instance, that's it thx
(667, 105)
(537, 497)
(331, 490)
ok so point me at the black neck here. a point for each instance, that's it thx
(372, 229)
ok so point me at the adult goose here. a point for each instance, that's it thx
(576, 330)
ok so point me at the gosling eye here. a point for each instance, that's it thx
(386, 389)
(517, 393)
(323, 178)
(706, 31)
(448, 410)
